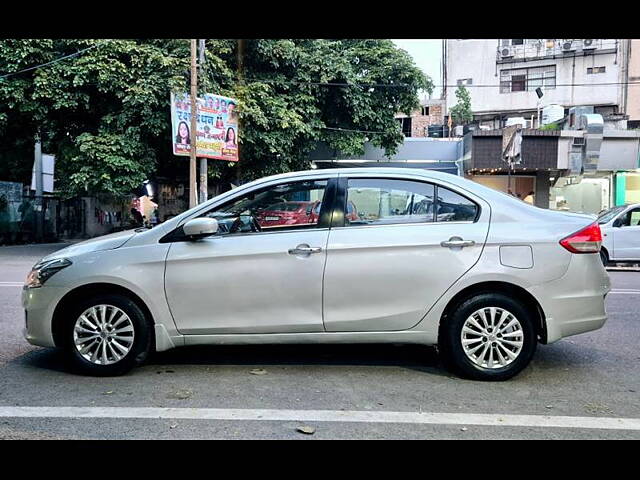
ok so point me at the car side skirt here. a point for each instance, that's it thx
(414, 337)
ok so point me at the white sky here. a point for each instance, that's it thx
(427, 54)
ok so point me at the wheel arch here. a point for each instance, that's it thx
(510, 289)
(92, 289)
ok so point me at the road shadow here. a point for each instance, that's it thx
(414, 357)
(559, 358)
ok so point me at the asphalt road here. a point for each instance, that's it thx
(349, 391)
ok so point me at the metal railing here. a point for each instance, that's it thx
(535, 49)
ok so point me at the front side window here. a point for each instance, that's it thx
(387, 201)
(631, 218)
(287, 206)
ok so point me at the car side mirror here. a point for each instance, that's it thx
(198, 228)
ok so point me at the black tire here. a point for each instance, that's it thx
(450, 342)
(604, 257)
(142, 338)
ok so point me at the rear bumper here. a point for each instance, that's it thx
(574, 303)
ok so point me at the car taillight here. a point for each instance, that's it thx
(587, 240)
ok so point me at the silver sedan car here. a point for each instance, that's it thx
(391, 255)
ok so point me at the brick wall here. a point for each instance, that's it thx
(419, 122)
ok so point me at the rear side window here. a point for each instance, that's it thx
(453, 207)
(376, 201)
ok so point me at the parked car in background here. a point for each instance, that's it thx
(351, 214)
(286, 213)
(431, 259)
(620, 234)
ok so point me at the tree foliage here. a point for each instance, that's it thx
(461, 111)
(105, 113)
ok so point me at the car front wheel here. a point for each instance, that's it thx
(106, 335)
(488, 337)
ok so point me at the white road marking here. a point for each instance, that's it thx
(625, 291)
(11, 284)
(606, 423)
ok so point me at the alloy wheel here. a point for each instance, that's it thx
(103, 334)
(492, 337)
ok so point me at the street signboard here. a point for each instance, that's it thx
(217, 127)
(48, 169)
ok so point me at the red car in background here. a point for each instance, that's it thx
(352, 212)
(297, 213)
(286, 214)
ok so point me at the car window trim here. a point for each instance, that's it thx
(341, 201)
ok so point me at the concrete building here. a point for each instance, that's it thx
(443, 154)
(633, 100)
(546, 168)
(502, 76)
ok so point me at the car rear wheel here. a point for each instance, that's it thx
(106, 335)
(488, 337)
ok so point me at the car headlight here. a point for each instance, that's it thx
(42, 271)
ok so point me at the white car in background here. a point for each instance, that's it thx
(620, 234)
(430, 258)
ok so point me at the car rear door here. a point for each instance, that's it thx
(413, 239)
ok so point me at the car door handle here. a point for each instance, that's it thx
(304, 250)
(457, 242)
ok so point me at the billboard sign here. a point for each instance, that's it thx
(217, 127)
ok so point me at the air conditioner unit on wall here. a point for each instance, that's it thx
(506, 52)
(588, 44)
(568, 46)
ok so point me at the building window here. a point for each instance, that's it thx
(425, 111)
(405, 126)
(509, 41)
(591, 70)
(464, 81)
(527, 79)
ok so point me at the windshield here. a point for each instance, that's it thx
(606, 217)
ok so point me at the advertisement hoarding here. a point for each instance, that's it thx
(217, 127)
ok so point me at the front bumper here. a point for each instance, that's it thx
(574, 303)
(39, 305)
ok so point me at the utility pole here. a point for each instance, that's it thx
(204, 188)
(39, 214)
(240, 60)
(193, 141)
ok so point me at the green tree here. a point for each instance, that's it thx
(461, 111)
(105, 113)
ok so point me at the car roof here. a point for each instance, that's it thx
(448, 177)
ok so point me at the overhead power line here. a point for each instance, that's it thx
(351, 130)
(79, 52)
(405, 85)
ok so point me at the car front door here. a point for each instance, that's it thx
(626, 236)
(406, 243)
(252, 278)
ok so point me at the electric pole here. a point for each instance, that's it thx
(203, 161)
(193, 141)
(39, 200)
(240, 59)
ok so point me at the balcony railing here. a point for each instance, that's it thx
(538, 49)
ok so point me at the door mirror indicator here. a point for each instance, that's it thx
(200, 228)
